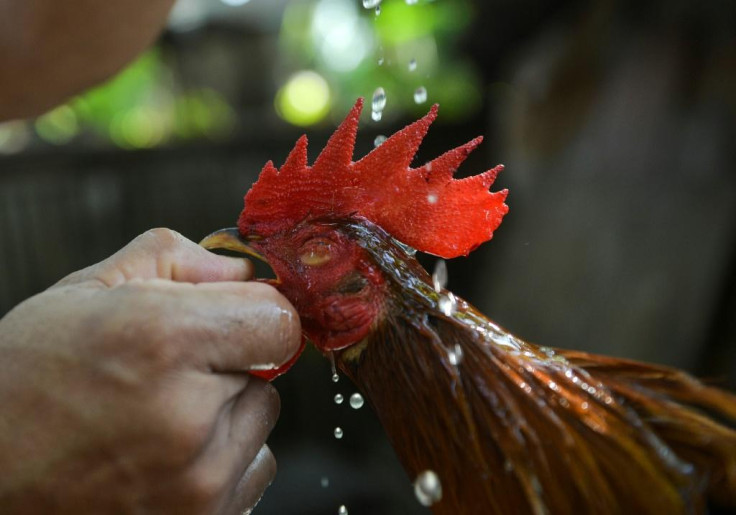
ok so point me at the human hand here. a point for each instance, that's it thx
(122, 388)
(52, 50)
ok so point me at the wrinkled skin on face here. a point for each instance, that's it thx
(332, 281)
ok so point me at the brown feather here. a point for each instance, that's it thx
(516, 428)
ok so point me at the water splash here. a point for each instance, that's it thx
(376, 116)
(420, 95)
(339, 398)
(409, 251)
(428, 488)
(356, 401)
(439, 276)
(338, 433)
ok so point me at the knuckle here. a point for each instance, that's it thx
(204, 488)
(182, 433)
(162, 238)
(189, 436)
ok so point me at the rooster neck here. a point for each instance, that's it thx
(516, 428)
(500, 427)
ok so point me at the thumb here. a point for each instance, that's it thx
(164, 254)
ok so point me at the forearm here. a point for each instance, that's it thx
(51, 50)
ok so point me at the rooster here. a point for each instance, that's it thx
(507, 427)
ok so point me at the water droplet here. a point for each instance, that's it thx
(338, 398)
(420, 95)
(342, 510)
(333, 367)
(412, 65)
(427, 488)
(439, 276)
(584, 406)
(406, 248)
(456, 355)
(379, 100)
(380, 140)
(448, 304)
(378, 10)
(380, 61)
(376, 116)
(356, 401)
(370, 4)
(432, 198)
(338, 433)
(335, 377)
(264, 366)
(325, 481)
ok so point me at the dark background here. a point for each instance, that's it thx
(616, 122)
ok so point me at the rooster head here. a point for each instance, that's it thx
(301, 220)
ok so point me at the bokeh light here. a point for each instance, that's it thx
(58, 126)
(14, 137)
(304, 99)
(341, 36)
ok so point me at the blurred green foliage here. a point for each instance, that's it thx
(141, 107)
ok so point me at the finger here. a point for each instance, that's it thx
(221, 327)
(240, 432)
(164, 254)
(250, 489)
(251, 419)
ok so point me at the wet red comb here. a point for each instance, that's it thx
(422, 207)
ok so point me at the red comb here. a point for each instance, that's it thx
(422, 207)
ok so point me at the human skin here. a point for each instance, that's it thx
(123, 388)
(51, 50)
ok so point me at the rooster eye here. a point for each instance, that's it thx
(315, 253)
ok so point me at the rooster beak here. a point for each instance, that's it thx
(230, 239)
